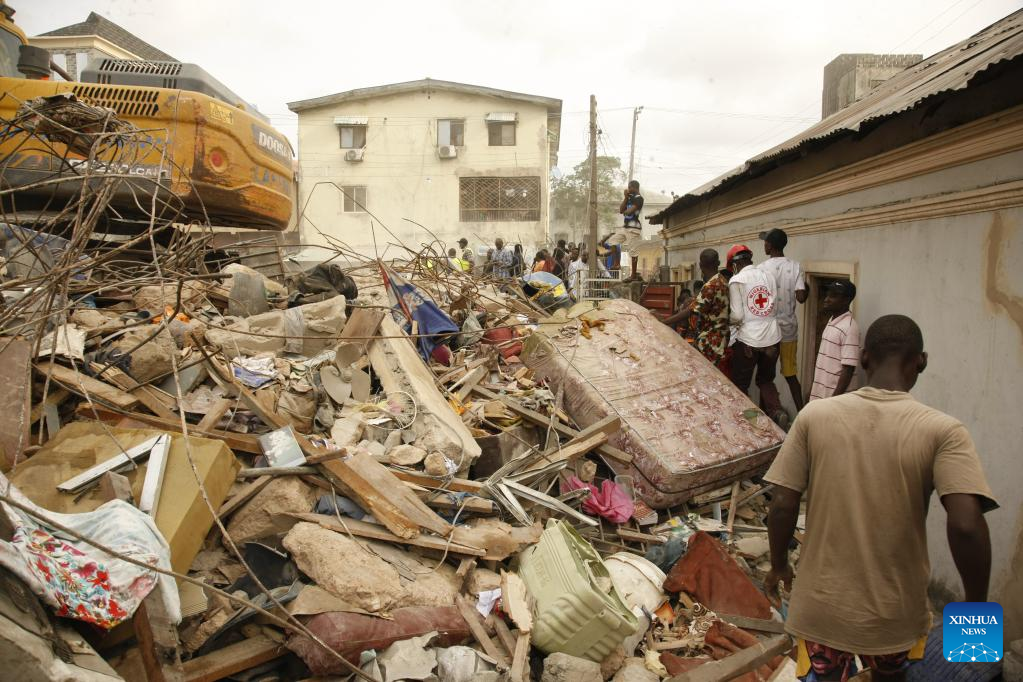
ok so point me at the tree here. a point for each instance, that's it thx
(570, 195)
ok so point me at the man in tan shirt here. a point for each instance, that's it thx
(868, 462)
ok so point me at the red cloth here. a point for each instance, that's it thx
(610, 501)
(710, 576)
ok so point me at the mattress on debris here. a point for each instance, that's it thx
(687, 427)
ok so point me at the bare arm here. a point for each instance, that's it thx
(781, 525)
(679, 316)
(844, 379)
(621, 207)
(970, 542)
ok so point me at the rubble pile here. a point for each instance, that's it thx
(386, 470)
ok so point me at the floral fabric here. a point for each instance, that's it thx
(710, 315)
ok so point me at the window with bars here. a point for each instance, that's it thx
(353, 198)
(499, 199)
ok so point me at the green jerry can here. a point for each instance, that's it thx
(578, 610)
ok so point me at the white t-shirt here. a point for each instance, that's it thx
(752, 298)
(789, 276)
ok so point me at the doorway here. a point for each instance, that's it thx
(818, 276)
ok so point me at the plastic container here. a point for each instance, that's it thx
(578, 609)
(639, 582)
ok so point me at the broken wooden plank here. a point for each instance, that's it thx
(458, 485)
(520, 660)
(154, 399)
(158, 639)
(54, 398)
(473, 619)
(577, 447)
(544, 420)
(384, 496)
(377, 532)
(515, 601)
(216, 412)
(232, 659)
(80, 384)
(243, 496)
(15, 399)
(469, 381)
(733, 506)
(503, 634)
(636, 536)
(465, 569)
(738, 663)
(758, 624)
(242, 442)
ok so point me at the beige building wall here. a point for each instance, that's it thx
(404, 178)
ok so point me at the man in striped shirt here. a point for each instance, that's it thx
(839, 353)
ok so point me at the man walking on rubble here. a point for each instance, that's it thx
(752, 299)
(501, 260)
(709, 309)
(791, 289)
(868, 462)
(839, 352)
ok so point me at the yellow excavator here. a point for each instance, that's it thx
(219, 157)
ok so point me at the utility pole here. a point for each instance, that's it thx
(592, 214)
(632, 147)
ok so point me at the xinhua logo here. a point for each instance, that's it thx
(972, 632)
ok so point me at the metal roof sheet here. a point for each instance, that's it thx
(951, 69)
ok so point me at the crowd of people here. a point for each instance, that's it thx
(743, 319)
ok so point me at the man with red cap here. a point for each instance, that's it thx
(752, 295)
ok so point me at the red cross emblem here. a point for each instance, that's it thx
(760, 301)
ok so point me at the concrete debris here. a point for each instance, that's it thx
(256, 518)
(434, 428)
(635, 670)
(559, 667)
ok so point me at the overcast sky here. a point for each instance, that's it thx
(720, 80)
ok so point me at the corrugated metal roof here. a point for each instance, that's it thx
(951, 69)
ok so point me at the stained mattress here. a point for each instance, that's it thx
(687, 427)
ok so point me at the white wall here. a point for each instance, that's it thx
(959, 278)
(406, 179)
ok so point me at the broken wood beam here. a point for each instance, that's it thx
(241, 442)
(458, 485)
(577, 447)
(544, 420)
(474, 620)
(758, 624)
(80, 384)
(520, 659)
(376, 532)
(158, 639)
(243, 496)
(154, 399)
(738, 663)
(213, 416)
(465, 385)
(382, 494)
(636, 536)
(233, 658)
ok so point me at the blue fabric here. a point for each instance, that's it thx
(409, 303)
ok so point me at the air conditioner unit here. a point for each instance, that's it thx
(447, 151)
(354, 154)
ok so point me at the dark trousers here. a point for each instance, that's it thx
(746, 359)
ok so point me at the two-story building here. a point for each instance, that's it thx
(422, 161)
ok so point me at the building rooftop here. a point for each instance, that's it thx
(95, 25)
(954, 68)
(553, 105)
